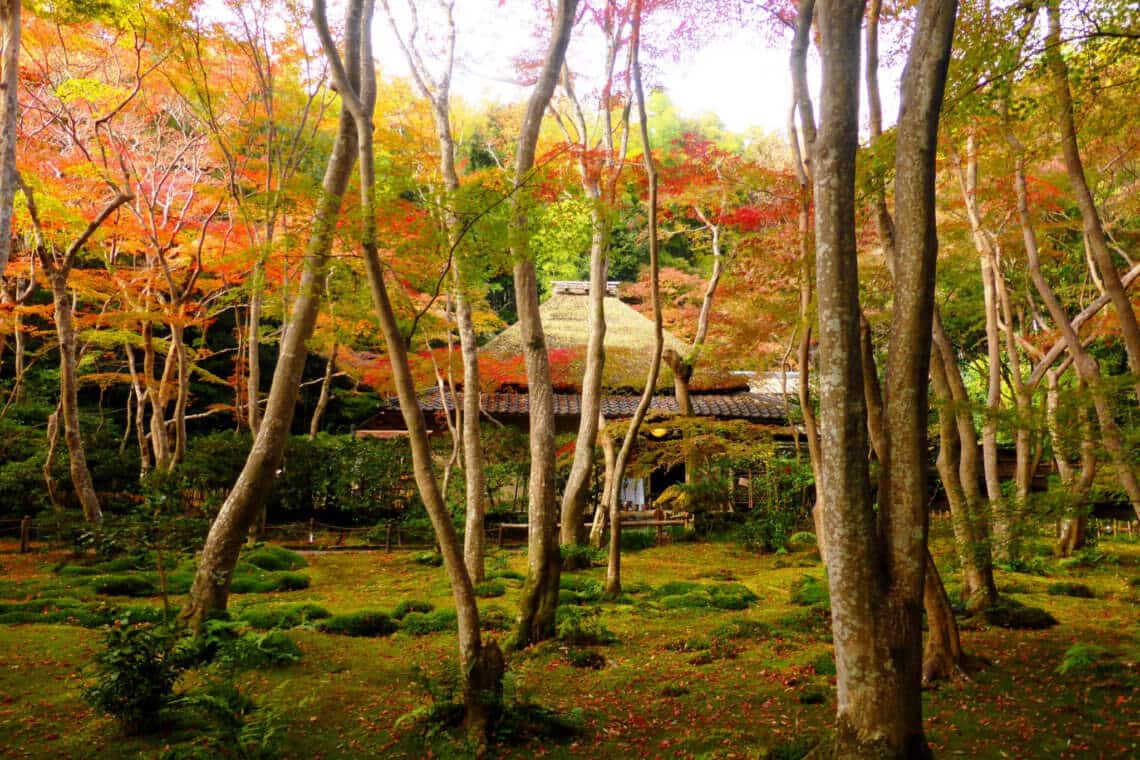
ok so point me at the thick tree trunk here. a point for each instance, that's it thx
(247, 498)
(942, 655)
(876, 564)
(69, 398)
(1093, 227)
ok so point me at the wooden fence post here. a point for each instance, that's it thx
(312, 525)
(388, 539)
(25, 534)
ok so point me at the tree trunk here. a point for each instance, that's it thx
(876, 563)
(69, 399)
(942, 656)
(253, 346)
(578, 481)
(326, 393)
(247, 498)
(1093, 227)
(182, 396)
(9, 112)
(540, 591)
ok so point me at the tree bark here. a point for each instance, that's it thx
(9, 113)
(210, 591)
(540, 590)
(597, 529)
(1077, 486)
(326, 393)
(1093, 227)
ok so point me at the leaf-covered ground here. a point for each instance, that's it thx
(684, 678)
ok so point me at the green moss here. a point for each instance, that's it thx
(363, 623)
(1065, 588)
(411, 605)
(274, 558)
(123, 585)
(286, 616)
(1009, 613)
(809, 591)
(423, 623)
(489, 589)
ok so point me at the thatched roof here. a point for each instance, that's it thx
(629, 344)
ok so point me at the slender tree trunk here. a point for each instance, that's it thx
(1073, 525)
(613, 571)
(1093, 227)
(49, 461)
(609, 456)
(540, 591)
(253, 346)
(182, 396)
(577, 488)
(247, 498)
(69, 398)
(326, 393)
(9, 112)
(1086, 365)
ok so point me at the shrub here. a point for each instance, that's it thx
(411, 605)
(636, 540)
(579, 590)
(580, 557)
(1079, 590)
(1082, 657)
(495, 619)
(583, 626)
(733, 596)
(364, 623)
(1009, 613)
(809, 591)
(823, 664)
(691, 601)
(430, 559)
(804, 539)
(258, 650)
(135, 674)
(489, 589)
(587, 659)
(742, 629)
(423, 623)
(275, 558)
(123, 585)
(287, 616)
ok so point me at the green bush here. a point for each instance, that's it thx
(809, 591)
(576, 589)
(287, 616)
(490, 589)
(580, 557)
(823, 664)
(1078, 590)
(411, 605)
(1081, 657)
(430, 559)
(135, 673)
(275, 558)
(259, 650)
(423, 623)
(364, 623)
(636, 540)
(495, 619)
(1009, 613)
(582, 626)
(123, 585)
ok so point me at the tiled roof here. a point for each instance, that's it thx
(750, 406)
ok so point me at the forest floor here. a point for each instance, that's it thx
(684, 678)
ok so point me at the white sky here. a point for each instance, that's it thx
(742, 78)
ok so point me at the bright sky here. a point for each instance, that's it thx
(743, 78)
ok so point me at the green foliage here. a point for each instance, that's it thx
(580, 557)
(637, 540)
(585, 659)
(691, 601)
(1012, 614)
(123, 585)
(753, 630)
(495, 619)
(411, 605)
(263, 583)
(364, 623)
(490, 589)
(431, 559)
(135, 673)
(259, 650)
(74, 612)
(1080, 657)
(579, 590)
(582, 626)
(423, 623)
(1065, 588)
(823, 664)
(274, 558)
(731, 596)
(286, 616)
(809, 591)
(802, 540)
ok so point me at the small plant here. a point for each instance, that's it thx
(674, 690)
(364, 623)
(719, 649)
(754, 630)
(574, 589)
(809, 591)
(1066, 588)
(423, 623)
(582, 626)
(586, 659)
(123, 585)
(411, 605)
(1081, 657)
(637, 540)
(429, 559)
(490, 589)
(287, 616)
(823, 664)
(495, 619)
(275, 558)
(1009, 613)
(252, 651)
(580, 557)
(135, 673)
